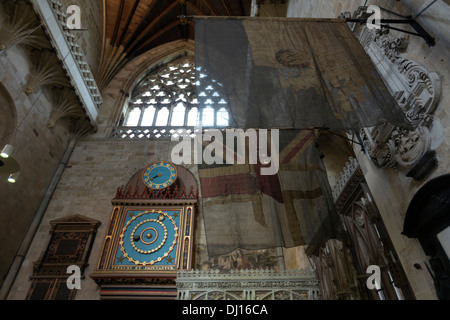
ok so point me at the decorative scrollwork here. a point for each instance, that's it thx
(416, 89)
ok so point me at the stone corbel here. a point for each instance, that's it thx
(82, 127)
(66, 106)
(46, 70)
(22, 27)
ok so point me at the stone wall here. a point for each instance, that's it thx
(38, 149)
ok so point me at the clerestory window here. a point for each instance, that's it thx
(167, 98)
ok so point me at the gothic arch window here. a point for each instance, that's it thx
(167, 98)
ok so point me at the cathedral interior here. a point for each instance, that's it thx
(96, 94)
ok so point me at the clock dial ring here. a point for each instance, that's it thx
(160, 255)
(159, 175)
(149, 235)
(154, 249)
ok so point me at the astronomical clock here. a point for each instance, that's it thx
(150, 234)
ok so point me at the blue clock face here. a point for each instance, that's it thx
(149, 238)
(159, 175)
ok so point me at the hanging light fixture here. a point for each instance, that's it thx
(8, 164)
(13, 177)
(7, 151)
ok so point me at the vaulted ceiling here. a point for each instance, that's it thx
(133, 27)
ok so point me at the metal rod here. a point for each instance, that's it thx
(394, 13)
(405, 31)
(364, 20)
(346, 138)
(421, 32)
(425, 9)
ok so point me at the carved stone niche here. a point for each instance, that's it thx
(416, 89)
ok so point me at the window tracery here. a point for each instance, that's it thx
(167, 98)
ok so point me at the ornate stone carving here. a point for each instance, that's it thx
(22, 27)
(341, 265)
(247, 285)
(407, 146)
(66, 106)
(345, 177)
(45, 71)
(82, 127)
(416, 90)
(396, 147)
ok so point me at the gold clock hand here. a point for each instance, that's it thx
(158, 175)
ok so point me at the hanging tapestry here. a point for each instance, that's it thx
(290, 73)
(244, 209)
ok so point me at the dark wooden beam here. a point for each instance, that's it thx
(155, 21)
(117, 24)
(127, 24)
(241, 4)
(158, 34)
(197, 10)
(227, 7)
(141, 21)
(213, 9)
